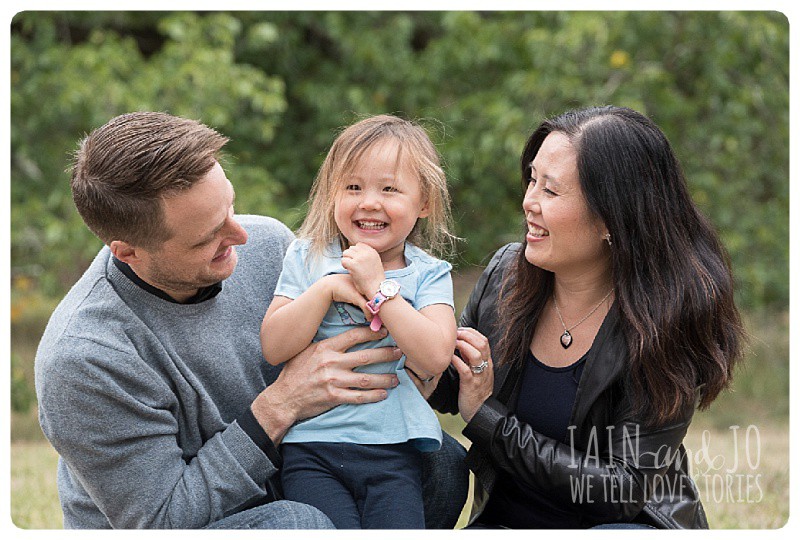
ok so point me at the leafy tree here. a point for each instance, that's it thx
(282, 83)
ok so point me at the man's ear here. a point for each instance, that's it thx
(124, 252)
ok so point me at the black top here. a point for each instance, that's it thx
(501, 441)
(203, 294)
(545, 402)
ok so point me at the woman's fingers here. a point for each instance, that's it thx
(474, 338)
(474, 347)
(461, 366)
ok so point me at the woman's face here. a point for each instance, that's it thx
(563, 237)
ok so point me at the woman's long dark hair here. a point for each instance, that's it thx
(671, 274)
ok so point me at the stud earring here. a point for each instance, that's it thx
(608, 238)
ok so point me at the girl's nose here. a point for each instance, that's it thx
(369, 201)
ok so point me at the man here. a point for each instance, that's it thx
(150, 379)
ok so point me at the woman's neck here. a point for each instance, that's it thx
(581, 292)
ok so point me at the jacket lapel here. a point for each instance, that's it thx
(604, 363)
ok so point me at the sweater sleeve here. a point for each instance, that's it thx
(112, 419)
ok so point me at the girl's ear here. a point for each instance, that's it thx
(425, 211)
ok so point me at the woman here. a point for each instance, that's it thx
(609, 324)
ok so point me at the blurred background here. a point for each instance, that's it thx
(281, 84)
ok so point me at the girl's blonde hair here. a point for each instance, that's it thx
(432, 234)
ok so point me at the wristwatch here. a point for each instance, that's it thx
(387, 290)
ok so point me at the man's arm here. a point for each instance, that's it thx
(112, 419)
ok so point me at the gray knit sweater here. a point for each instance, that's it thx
(140, 396)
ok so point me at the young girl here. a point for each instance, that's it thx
(357, 262)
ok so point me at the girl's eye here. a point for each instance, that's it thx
(352, 187)
(390, 188)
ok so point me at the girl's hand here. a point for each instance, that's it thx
(425, 386)
(342, 289)
(365, 267)
(474, 388)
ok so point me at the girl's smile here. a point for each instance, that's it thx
(380, 201)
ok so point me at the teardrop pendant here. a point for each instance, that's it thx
(566, 339)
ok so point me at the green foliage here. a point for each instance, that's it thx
(22, 393)
(282, 83)
(63, 87)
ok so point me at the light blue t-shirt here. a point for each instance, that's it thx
(404, 415)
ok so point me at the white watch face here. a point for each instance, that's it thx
(389, 288)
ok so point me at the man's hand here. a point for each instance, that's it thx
(322, 377)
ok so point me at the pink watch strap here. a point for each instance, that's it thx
(374, 306)
(376, 323)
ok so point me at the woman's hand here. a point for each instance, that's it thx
(366, 268)
(474, 387)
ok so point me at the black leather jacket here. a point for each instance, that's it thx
(625, 477)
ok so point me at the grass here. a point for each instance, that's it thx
(34, 496)
(735, 495)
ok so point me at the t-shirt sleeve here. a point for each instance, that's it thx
(436, 286)
(294, 278)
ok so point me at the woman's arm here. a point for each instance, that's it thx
(625, 464)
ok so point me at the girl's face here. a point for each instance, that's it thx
(563, 235)
(380, 201)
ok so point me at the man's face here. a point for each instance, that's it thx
(200, 250)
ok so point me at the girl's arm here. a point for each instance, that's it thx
(290, 325)
(427, 337)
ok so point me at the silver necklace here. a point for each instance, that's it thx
(566, 337)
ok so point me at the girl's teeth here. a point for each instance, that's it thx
(374, 225)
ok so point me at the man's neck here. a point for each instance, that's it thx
(177, 297)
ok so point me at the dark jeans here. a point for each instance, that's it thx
(357, 486)
(444, 486)
(276, 515)
(479, 525)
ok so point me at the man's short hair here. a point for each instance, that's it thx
(124, 169)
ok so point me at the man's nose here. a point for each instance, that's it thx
(236, 234)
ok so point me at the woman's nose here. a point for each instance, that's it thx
(530, 203)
